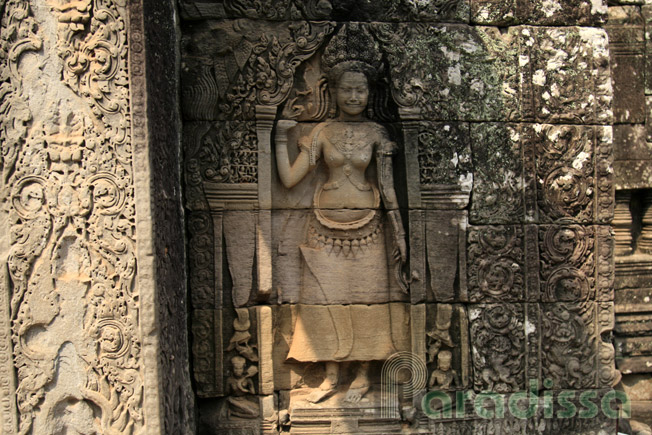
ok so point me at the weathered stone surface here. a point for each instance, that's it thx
(499, 189)
(630, 143)
(448, 354)
(496, 256)
(445, 240)
(430, 114)
(94, 319)
(567, 168)
(223, 83)
(570, 78)
(444, 153)
(549, 13)
(568, 269)
(384, 10)
(626, 47)
(633, 174)
(565, 158)
(498, 345)
(569, 345)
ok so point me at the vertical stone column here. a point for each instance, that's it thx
(94, 320)
(623, 223)
(645, 239)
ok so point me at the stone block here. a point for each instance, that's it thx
(445, 240)
(633, 174)
(254, 64)
(345, 10)
(498, 194)
(448, 355)
(496, 263)
(568, 269)
(540, 12)
(630, 142)
(453, 72)
(627, 46)
(444, 153)
(498, 346)
(569, 73)
(569, 345)
(568, 185)
(648, 118)
(646, 11)
(402, 10)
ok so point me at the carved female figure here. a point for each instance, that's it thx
(344, 313)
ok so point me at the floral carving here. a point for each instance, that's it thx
(498, 188)
(568, 345)
(68, 185)
(567, 263)
(496, 263)
(498, 343)
(267, 75)
(226, 153)
(565, 172)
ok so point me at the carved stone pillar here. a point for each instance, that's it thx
(93, 314)
(645, 239)
(622, 223)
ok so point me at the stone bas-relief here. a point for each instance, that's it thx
(389, 184)
(361, 179)
(345, 270)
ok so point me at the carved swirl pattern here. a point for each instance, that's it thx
(567, 263)
(267, 74)
(498, 337)
(68, 181)
(496, 263)
(608, 376)
(565, 173)
(568, 345)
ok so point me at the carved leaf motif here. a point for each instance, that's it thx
(568, 349)
(444, 154)
(69, 187)
(567, 263)
(267, 76)
(498, 337)
(496, 263)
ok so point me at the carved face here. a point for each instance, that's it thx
(352, 93)
(444, 360)
(238, 369)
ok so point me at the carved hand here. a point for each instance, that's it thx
(402, 249)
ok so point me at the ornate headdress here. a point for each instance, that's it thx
(353, 48)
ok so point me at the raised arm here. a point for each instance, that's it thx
(290, 174)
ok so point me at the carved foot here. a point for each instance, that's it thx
(318, 395)
(359, 386)
(328, 386)
(354, 395)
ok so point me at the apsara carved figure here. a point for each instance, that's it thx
(344, 313)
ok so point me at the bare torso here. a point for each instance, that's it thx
(348, 149)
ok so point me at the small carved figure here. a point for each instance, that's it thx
(444, 375)
(440, 335)
(238, 386)
(346, 272)
(498, 376)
